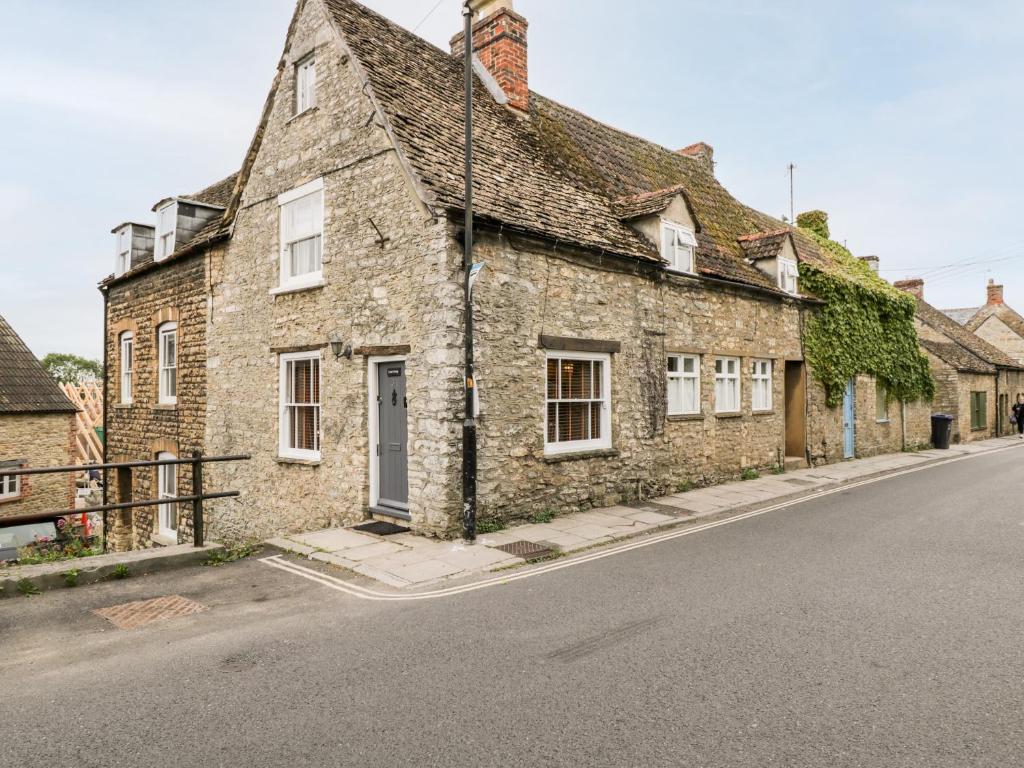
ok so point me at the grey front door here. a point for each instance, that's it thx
(392, 436)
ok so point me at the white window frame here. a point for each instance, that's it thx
(576, 446)
(683, 242)
(678, 378)
(789, 276)
(123, 254)
(761, 385)
(284, 448)
(126, 370)
(165, 330)
(314, 278)
(10, 485)
(724, 378)
(163, 246)
(305, 84)
(167, 488)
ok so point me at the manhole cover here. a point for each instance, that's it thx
(381, 528)
(798, 481)
(526, 549)
(142, 612)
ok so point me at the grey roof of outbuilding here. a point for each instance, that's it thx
(962, 315)
(958, 357)
(25, 386)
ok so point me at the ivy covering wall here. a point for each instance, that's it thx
(865, 327)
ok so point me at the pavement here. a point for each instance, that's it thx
(878, 625)
(408, 561)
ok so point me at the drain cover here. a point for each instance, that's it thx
(381, 528)
(798, 481)
(142, 612)
(526, 549)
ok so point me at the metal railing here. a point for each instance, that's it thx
(196, 498)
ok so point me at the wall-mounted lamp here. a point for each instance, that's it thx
(340, 348)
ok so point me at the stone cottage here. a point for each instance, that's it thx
(637, 328)
(975, 382)
(37, 429)
(995, 321)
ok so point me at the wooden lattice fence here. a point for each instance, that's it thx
(89, 420)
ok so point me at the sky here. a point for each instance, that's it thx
(902, 118)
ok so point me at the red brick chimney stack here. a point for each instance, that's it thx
(703, 152)
(499, 41)
(914, 286)
(995, 292)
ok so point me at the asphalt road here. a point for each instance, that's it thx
(882, 626)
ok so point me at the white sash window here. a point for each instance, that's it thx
(127, 363)
(305, 84)
(683, 384)
(727, 385)
(300, 406)
(168, 363)
(167, 488)
(577, 415)
(761, 385)
(302, 228)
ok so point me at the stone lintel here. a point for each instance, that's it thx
(579, 345)
(384, 350)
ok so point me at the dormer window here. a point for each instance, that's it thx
(166, 226)
(305, 84)
(788, 274)
(124, 251)
(678, 246)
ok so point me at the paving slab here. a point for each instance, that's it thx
(653, 518)
(291, 546)
(428, 570)
(333, 539)
(590, 531)
(375, 549)
(379, 574)
(333, 559)
(479, 558)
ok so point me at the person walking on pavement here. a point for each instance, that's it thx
(1018, 415)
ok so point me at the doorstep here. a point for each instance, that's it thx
(409, 561)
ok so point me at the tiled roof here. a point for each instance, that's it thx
(559, 174)
(962, 315)
(648, 203)
(218, 194)
(958, 357)
(974, 344)
(1002, 311)
(25, 386)
(763, 245)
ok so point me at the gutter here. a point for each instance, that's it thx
(189, 250)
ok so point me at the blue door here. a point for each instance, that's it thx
(848, 434)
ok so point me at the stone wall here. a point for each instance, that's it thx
(175, 291)
(39, 440)
(972, 382)
(394, 291)
(529, 290)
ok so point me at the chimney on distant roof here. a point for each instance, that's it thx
(499, 42)
(701, 152)
(995, 292)
(871, 261)
(914, 286)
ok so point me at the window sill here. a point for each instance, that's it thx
(122, 406)
(729, 415)
(9, 499)
(165, 407)
(312, 285)
(883, 421)
(680, 272)
(164, 540)
(685, 417)
(600, 453)
(303, 113)
(294, 460)
(769, 412)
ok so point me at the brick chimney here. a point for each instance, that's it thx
(499, 42)
(703, 153)
(914, 286)
(995, 292)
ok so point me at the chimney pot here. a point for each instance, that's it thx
(914, 286)
(871, 261)
(995, 292)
